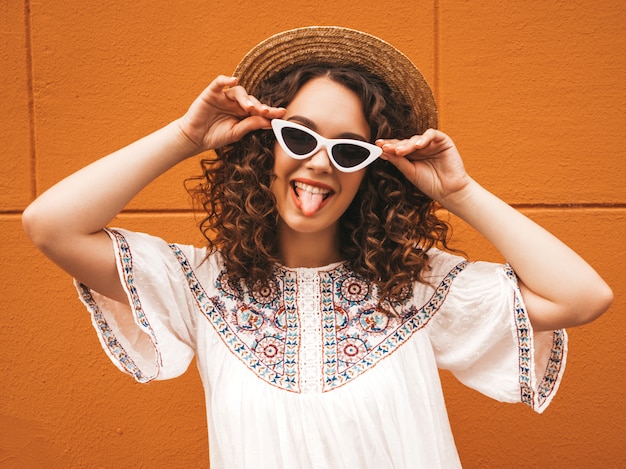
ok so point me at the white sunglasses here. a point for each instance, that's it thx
(346, 154)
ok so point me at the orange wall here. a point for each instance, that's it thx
(533, 93)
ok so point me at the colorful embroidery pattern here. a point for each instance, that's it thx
(365, 335)
(334, 313)
(553, 368)
(106, 333)
(334, 308)
(314, 331)
(529, 396)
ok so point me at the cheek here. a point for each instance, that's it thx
(284, 167)
(352, 181)
(283, 163)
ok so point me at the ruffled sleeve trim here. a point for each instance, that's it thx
(106, 325)
(483, 335)
(534, 392)
(153, 335)
(110, 343)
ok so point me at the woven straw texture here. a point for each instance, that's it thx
(342, 47)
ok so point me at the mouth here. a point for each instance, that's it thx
(310, 198)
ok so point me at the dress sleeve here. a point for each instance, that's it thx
(153, 335)
(483, 335)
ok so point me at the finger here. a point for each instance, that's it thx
(216, 87)
(388, 145)
(250, 124)
(414, 146)
(404, 165)
(241, 96)
(249, 103)
(387, 141)
(398, 147)
(431, 136)
(408, 146)
(221, 82)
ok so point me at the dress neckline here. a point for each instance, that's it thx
(324, 268)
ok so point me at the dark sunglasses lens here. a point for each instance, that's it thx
(298, 141)
(348, 155)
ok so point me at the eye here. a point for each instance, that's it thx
(349, 155)
(298, 141)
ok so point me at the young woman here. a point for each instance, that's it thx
(325, 299)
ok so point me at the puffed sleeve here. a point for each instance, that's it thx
(153, 335)
(483, 335)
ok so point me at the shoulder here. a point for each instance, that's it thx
(475, 287)
(144, 247)
(441, 264)
(452, 282)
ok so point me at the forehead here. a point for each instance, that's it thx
(331, 106)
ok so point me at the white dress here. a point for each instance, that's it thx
(307, 373)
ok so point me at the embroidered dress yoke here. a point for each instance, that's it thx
(306, 372)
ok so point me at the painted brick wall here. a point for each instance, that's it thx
(532, 92)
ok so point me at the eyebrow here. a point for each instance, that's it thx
(311, 125)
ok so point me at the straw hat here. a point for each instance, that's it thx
(342, 47)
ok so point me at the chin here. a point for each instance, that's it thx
(307, 225)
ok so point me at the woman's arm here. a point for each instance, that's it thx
(559, 288)
(66, 222)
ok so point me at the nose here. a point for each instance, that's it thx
(320, 161)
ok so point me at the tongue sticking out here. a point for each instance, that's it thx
(309, 202)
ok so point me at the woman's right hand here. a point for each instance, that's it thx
(223, 114)
(66, 222)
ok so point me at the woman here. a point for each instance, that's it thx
(323, 305)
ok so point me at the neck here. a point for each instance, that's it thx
(309, 249)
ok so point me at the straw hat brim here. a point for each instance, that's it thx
(341, 47)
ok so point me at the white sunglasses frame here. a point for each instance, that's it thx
(327, 143)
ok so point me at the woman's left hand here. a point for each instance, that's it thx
(559, 288)
(430, 161)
